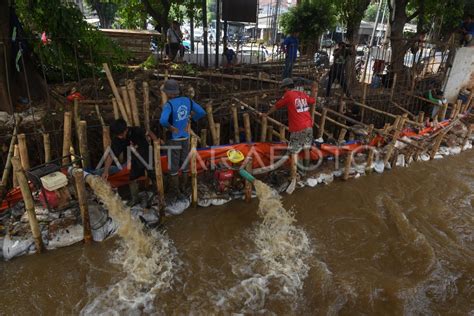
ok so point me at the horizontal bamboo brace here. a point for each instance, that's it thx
(383, 112)
(271, 120)
(424, 99)
(238, 77)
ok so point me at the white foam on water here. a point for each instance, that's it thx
(276, 270)
(148, 260)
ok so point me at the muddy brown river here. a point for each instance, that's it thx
(391, 244)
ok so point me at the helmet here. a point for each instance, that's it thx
(235, 156)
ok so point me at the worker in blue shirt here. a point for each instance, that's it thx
(290, 47)
(176, 117)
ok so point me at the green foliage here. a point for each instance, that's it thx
(131, 14)
(75, 47)
(311, 19)
(371, 12)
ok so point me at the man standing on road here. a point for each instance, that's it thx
(290, 47)
(176, 117)
(300, 118)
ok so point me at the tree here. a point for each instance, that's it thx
(106, 10)
(311, 18)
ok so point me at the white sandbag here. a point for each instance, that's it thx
(379, 166)
(444, 151)
(312, 182)
(424, 157)
(400, 161)
(204, 202)
(218, 202)
(438, 156)
(177, 207)
(467, 146)
(105, 230)
(66, 237)
(455, 150)
(17, 246)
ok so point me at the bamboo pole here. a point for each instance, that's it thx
(248, 131)
(282, 133)
(263, 133)
(322, 123)
(398, 129)
(106, 141)
(8, 165)
(76, 118)
(194, 184)
(67, 137)
(133, 103)
(128, 108)
(370, 160)
(99, 116)
(467, 136)
(421, 117)
(116, 93)
(16, 153)
(382, 112)
(235, 119)
(116, 109)
(146, 105)
(248, 184)
(23, 148)
(442, 114)
(212, 125)
(364, 100)
(270, 133)
(437, 143)
(342, 135)
(218, 133)
(159, 177)
(83, 148)
(83, 205)
(347, 165)
(271, 120)
(29, 204)
(204, 137)
(47, 147)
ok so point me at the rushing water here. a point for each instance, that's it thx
(397, 243)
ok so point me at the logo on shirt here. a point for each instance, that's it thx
(182, 112)
(301, 105)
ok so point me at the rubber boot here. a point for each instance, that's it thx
(303, 169)
(183, 188)
(134, 198)
(173, 192)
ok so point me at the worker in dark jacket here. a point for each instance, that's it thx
(125, 137)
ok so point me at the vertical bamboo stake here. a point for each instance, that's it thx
(83, 206)
(467, 136)
(159, 177)
(322, 123)
(442, 114)
(116, 109)
(394, 83)
(116, 93)
(23, 147)
(235, 119)
(263, 134)
(342, 135)
(16, 153)
(128, 108)
(218, 133)
(146, 105)
(370, 130)
(212, 125)
(398, 128)
(76, 118)
(364, 99)
(347, 166)
(8, 165)
(248, 130)
(370, 160)
(194, 195)
(248, 184)
(47, 147)
(133, 102)
(204, 137)
(282, 133)
(66, 137)
(436, 145)
(29, 204)
(83, 149)
(270, 133)
(106, 141)
(421, 117)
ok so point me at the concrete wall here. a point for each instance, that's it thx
(462, 73)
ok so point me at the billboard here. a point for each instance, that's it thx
(239, 10)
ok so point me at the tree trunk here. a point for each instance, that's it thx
(397, 42)
(5, 47)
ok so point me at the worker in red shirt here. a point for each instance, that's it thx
(300, 118)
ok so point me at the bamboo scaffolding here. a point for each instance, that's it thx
(29, 204)
(146, 105)
(67, 137)
(8, 164)
(128, 107)
(47, 147)
(235, 119)
(83, 206)
(116, 93)
(248, 130)
(212, 125)
(83, 148)
(23, 149)
(135, 117)
(160, 188)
